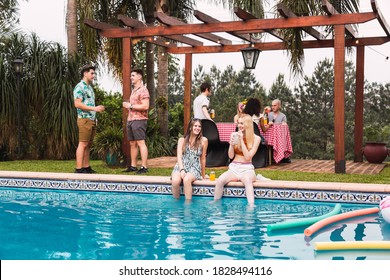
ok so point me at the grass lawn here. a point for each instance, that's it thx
(67, 166)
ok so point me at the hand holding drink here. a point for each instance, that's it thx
(235, 138)
(126, 104)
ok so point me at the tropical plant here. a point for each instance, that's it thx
(47, 84)
(377, 133)
(158, 145)
(108, 145)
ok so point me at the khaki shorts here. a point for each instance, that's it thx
(87, 129)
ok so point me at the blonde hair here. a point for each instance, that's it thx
(249, 132)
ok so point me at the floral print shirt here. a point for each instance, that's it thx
(136, 97)
(85, 92)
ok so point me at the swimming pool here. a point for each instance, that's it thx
(41, 224)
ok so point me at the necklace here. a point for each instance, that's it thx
(134, 90)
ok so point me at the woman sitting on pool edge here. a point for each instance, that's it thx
(191, 159)
(241, 168)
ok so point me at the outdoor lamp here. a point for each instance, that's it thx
(250, 55)
(18, 65)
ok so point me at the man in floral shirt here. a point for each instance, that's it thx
(84, 101)
(137, 121)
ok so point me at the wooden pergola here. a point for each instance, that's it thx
(172, 34)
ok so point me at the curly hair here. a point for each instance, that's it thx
(253, 107)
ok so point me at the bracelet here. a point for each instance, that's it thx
(182, 170)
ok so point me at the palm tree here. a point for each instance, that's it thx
(71, 26)
(8, 15)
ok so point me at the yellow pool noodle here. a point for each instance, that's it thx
(352, 245)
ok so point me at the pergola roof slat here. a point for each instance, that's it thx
(286, 13)
(163, 18)
(244, 15)
(381, 19)
(100, 25)
(185, 40)
(330, 10)
(134, 23)
(208, 19)
(139, 24)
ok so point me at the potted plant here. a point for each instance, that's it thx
(108, 145)
(375, 149)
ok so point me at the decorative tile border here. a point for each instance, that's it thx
(261, 193)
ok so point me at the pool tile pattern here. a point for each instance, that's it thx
(281, 190)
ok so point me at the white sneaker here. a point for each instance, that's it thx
(260, 177)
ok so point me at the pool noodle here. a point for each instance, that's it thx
(304, 221)
(385, 203)
(322, 223)
(352, 245)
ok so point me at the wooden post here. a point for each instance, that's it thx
(187, 89)
(358, 137)
(339, 98)
(126, 72)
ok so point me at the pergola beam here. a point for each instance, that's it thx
(272, 46)
(286, 13)
(247, 26)
(244, 15)
(171, 21)
(380, 17)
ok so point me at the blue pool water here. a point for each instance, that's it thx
(44, 225)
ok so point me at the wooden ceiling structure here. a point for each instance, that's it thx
(172, 34)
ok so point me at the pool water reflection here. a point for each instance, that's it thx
(39, 224)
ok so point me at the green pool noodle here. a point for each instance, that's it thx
(304, 221)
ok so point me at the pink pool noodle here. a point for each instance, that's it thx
(327, 221)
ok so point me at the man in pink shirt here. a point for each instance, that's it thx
(137, 121)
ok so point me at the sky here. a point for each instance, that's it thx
(49, 24)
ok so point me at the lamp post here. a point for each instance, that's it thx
(18, 67)
(250, 55)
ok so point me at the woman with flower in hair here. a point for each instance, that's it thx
(241, 150)
(240, 108)
(191, 159)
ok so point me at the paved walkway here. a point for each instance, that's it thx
(320, 166)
